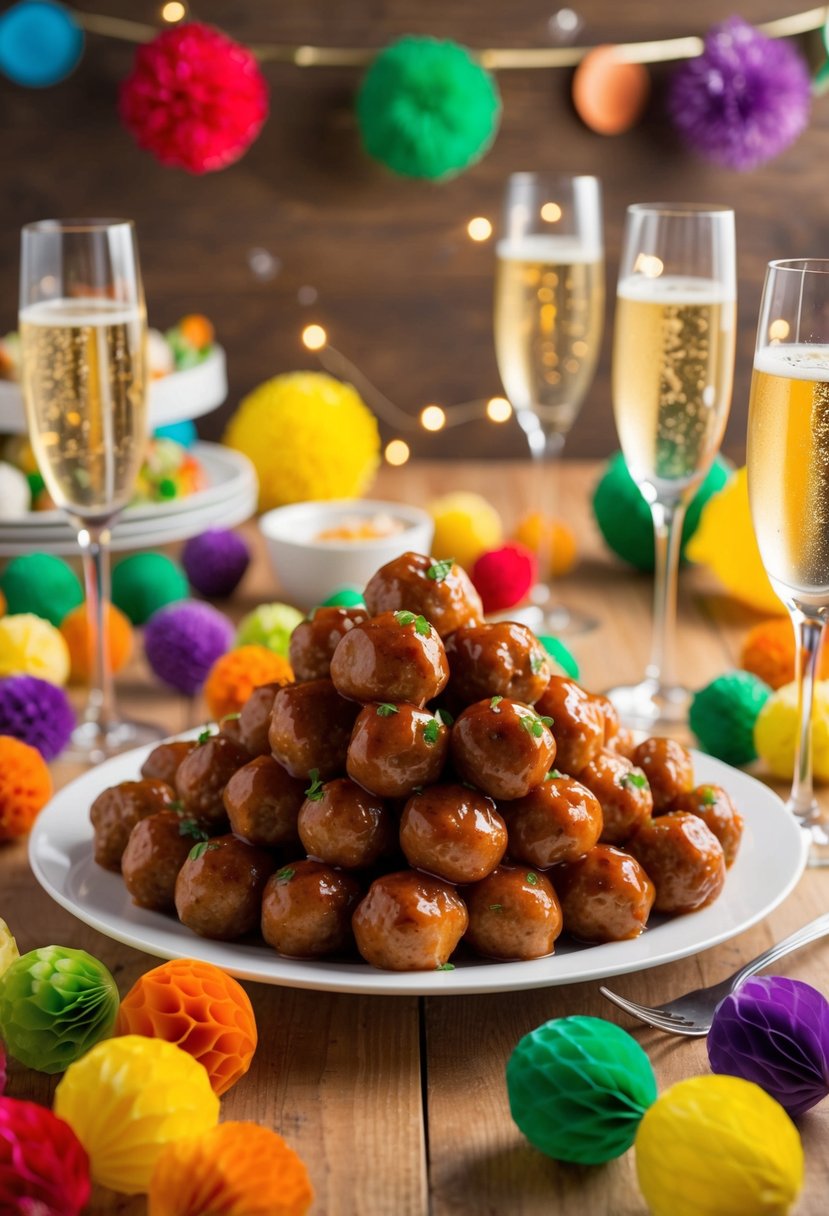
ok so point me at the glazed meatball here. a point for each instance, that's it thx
(559, 820)
(513, 914)
(311, 728)
(716, 810)
(683, 859)
(453, 832)
(255, 719)
(578, 723)
(156, 850)
(605, 896)
(623, 743)
(116, 811)
(395, 747)
(163, 761)
(441, 592)
(409, 922)
(396, 656)
(262, 801)
(344, 825)
(623, 793)
(610, 715)
(219, 888)
(505, 659)
(230, 727)
(307, 908)
(314, 641)
(203, 775)
(668, 768)
(503, 747)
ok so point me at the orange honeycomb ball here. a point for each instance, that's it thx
(559, 538)
(25, 787)
(199, 1008)
(769, 651)
(75, 632)
(234, 676)
(235, 1169)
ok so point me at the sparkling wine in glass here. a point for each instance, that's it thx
(549, 314)
(83, 334)
(673, 365)
(788, 483)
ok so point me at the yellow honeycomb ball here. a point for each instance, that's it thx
(129, 1097)
(466, 525)
(30, 646)
(308, 436)
(718, 1146)
(777, 725)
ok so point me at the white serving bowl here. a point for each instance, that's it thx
(310, 570)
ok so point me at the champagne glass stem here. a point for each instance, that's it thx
(546, 450)
(667, 533)
(808, 633)
(94, 545)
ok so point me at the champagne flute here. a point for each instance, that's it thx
(83, 337)
(788, 484)
(549, 313)
(673, 366)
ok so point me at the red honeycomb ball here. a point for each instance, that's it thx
(199, 1008)
(43, 1166)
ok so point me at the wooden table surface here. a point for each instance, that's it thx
(398, 1105)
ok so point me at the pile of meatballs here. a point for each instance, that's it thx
(427, 783)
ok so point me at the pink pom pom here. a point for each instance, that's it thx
(503, 577)
(195, 98)
(43, 1166)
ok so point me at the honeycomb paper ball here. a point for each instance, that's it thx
(215, 562)
(183, 641)
(8, 947)
(609, 95)
(503, 577)
(308, 436)
(44, 1170)
(466, 525)
(25, 787)
(718, 1146)
(776, 730)
(768, 651)
(145, 582)
(36, 712)
(74, 630)
(578, 1088)
(129, 1097)
(30, 646)
(235, 1169)
(774, 1031)
(41, 584)
(199, 1008)
(345, 597)
(234, 676)
(269, 625)
(561, 655)
(723, 714)
(559, 541)
(55, 1003)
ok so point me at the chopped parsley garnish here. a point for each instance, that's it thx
(496, 907)
(553, 775)
(494, 703)
(534, 725)
(445, 967)
(206, 734)
(285, 874)
(707, 796)
(192, 827)
(199, 850)
(420, 623)
(385, 709)
(445, 716)
(403, 617)
(438, 571)
(314, 791)
(638, 780)
(431, 731)
(537, 664)
(177, 805)
(532, 879)
(423, 627)
(229, 718)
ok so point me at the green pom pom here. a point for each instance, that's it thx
(55, 1003)
(578, 1088)
(145, 582)
(624, 518)
(269, 625)
(561, 655)
(41, 584)
(723, 714)
(345, 597)
(427, 108)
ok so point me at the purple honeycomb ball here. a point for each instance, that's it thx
(775, 1032)
(183, 641)
(37, 713)
(215, 562)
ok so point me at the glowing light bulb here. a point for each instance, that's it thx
(779, 330)
(432, 418)
(397, 451)
(551, 212)
(498, 409)
(173, 11)
(314, 337)
(479, 228)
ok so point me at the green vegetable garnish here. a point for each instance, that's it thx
(314, 791)
(553, 774)
(708, 796)
(431, 731)
(445, 967)
(532, 879)
(534, 725)
(537, 664)
(285, 874)
(423, 627)
(192, 827)
(438, 571)
(494, 703)
(199, 850)
(403, 617)
(229, 718)
(445, 716)
(496, 907)
(206, 734)
(385, 709)
(639, 780)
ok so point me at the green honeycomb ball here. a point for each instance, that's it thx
(55, 1003)
(578, 1089)
(345, 597)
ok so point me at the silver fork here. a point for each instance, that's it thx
(693, 1013)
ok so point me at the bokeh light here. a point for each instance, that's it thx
(397, 451)
(432, 418)
(498, 409)
(479, 228)
(314, 337)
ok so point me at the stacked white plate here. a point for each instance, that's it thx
(229, 499)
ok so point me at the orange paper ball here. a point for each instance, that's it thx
(234, 676)
(199, 1008)
(25, 787)
(769, 652)
(235, 1169)
(610, 95)
(559, 538)
(75, 630)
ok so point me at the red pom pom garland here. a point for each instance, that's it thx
(503, 577)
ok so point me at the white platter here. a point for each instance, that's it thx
(769, 864)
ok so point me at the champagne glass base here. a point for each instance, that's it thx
(91, 742)
(545, 616)
(651, 704)
(816, 829)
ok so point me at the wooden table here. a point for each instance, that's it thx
(398, 1105)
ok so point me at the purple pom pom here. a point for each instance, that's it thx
(37, 713)
(775, 1032)
(183, 641)
(744, 99)
(215, 562)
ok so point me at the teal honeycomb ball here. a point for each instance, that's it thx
(578, 1088)
(55, 1003)
(722, 716)
(145, 582)
(561, 655)
(624, 518)
(41, 584)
